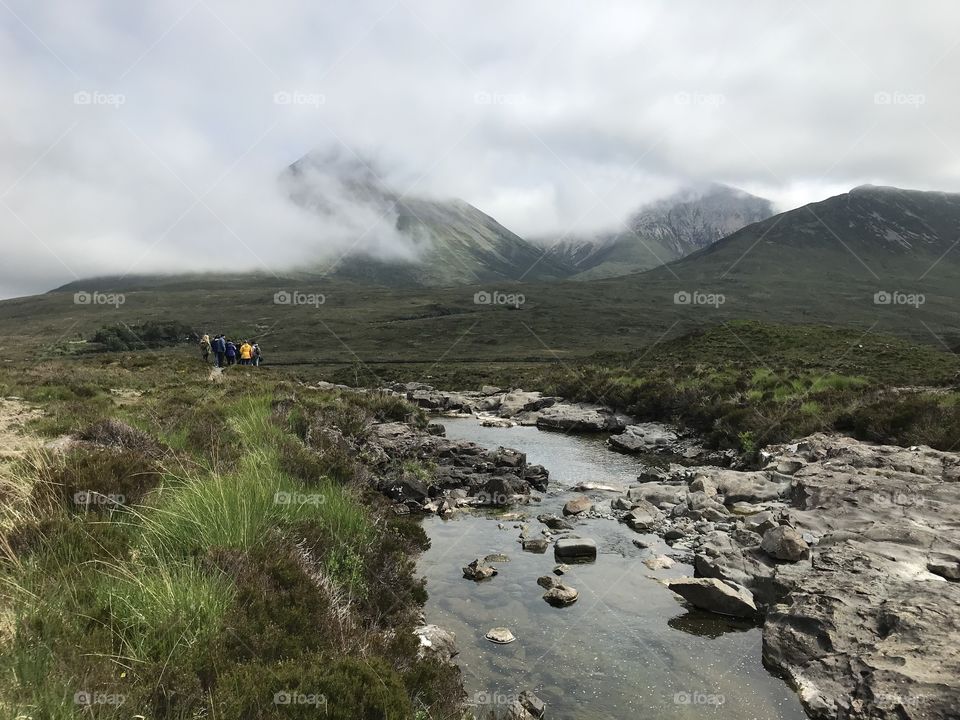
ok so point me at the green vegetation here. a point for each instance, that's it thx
(151, 334)
(205, 550)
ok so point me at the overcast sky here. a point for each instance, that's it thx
(139, 137)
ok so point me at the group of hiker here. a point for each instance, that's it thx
(227, 352)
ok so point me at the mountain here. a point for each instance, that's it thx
(431, 242)
(664, 230)
(870, 233)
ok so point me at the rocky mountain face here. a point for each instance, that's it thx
(424, 241)
(665, 230)
(872, 227)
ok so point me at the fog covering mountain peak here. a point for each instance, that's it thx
(692, 218)
(406, 238)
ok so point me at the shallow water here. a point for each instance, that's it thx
(628, 648)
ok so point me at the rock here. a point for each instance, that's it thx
(658, 562)
(517, 401)
(490, 390)
(785, 543)
(644, 518)
(496, 558)
(436, 642)
(947, 568)
(673, 533)
(500, 635)
(724, 598)
(561, 595)
(596, 487)
(532, 704)
(555, 522)
(535, 545)
(575, 549)
(496, 423)
(658, 494)
(623, 503)
(577, 505)
(643, 545)
(561, 569)
(705, 485)
(537, 477)
(645, 438)
(479, 570)
(436, 428)
(760, 522)
(580, 418)
(546, 581)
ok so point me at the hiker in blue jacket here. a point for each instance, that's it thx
(219, 350)
(231, 353)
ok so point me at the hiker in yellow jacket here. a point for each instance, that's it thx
(246, 353)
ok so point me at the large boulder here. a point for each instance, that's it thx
(581, 418)
(645, 438)
(724, 598)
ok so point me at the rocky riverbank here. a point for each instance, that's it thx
(847, 552)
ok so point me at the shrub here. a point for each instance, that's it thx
(314, 686)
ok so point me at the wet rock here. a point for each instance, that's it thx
(642, 544)
(724, 598)
(575, 549)
(535, 545)
(500, 635)
(577, 505)
(436, 642)
(496, 558)
(554, 522)
(436, 428)
(546, 581)
(478, 570)
(496, 422)
(537, 477)
(785, 543)
(532, 704)
(561, 569)
(561, 595)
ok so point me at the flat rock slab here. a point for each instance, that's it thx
(724, 598)
(575, 549)
(645, 438)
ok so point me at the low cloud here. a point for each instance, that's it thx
(151, 138)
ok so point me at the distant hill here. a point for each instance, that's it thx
(665, 230)
(450, 241)
(872, 233)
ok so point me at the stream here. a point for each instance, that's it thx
(628, 648)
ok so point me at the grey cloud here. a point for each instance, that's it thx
(553, 118)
